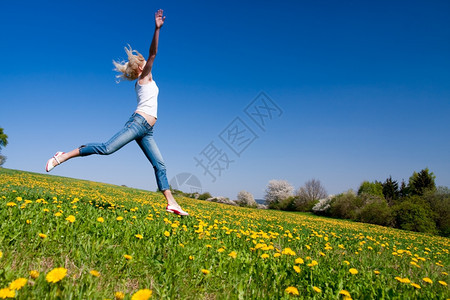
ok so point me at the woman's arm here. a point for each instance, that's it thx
(147, 71)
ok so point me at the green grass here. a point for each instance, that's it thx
(173, 250)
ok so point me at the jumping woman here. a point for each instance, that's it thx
(140, 125)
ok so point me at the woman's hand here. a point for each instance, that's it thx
(159, 19)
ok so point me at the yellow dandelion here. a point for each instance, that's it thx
(299, 261)
(292, 290)
(232, 254)
(46, 210)
(100, 219)
(416, 285)
(443, 283)
(353, 271)
(313, 263)
(56, 275)
(11, 204)
(277, 255)
(58, 214)
(406, 280)
(7, 293)
(204, 271)
(71, 219)
(28, 222)
(119, 295)
(288, 251)
(42, 235)
(427, 280)
(220, 250)
(19, 198)
(34, 274)
(144, 294)
(376, 272)
(191, 257)
(317, 290)
(95, 273)
(128, 257)
(443, 273)
(166, 233)
(265, 255)
(1, 254)
(297, 269)
(139, 236)
(345, 293)
(119, 218)
(346, 262)
(18, 284)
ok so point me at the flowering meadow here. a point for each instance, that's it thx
(62, 238)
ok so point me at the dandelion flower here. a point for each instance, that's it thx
(71, 218)
(376, 272)
(128, 257)
(288, 251)
(1, 254)
(11, 204)
(139, 236)
(95, 273)
(317, 290)
(276, 255)
(204, 271)
(166, 233)
(345, 293)
(299, 261)
(18, 284)
(297, 269)
(416, 285)
(346, 262)
(142, 295)
(220, 250)
(42, 235)
(100, 219)
(443, 283)
(191, 257)
(28, 222)
(265, 255)
(56, 275)
(353, 271)
(58, 214)
(7, 293)
(313, 263)
(119, 218)
(34, 274)
(428, 280)
(233, 254)
(292, 290)
(119, 295)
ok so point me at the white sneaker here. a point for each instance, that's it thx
(175, 210)
(50, 164)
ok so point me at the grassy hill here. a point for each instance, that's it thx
(74, 239)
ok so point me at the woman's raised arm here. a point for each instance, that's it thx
(147, 71)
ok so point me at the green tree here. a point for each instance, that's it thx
(390, 190)
(371, 188)
(415, 215)
(421, 182)
(3, 143)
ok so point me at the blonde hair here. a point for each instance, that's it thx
(130, 69)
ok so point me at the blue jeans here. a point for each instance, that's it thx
(138, 129)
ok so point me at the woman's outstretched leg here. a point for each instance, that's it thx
(61, 157)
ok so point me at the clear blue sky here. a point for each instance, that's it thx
(363, 88)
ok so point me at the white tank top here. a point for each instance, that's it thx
(147, 98)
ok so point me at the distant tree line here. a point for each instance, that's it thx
(417, 205)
